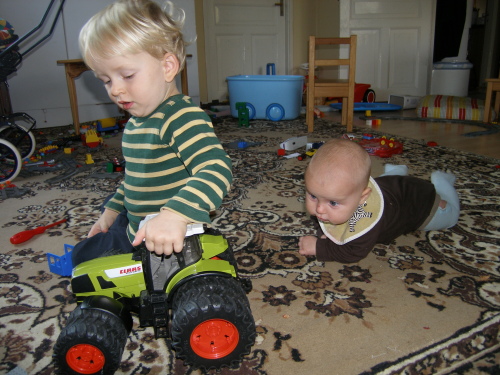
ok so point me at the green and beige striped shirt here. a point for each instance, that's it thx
(174, 161)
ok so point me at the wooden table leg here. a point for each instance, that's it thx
(73, 69)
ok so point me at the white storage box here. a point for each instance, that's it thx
(405, 101)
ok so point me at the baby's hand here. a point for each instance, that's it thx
(164, 233)
(106, 219)
(307, 245)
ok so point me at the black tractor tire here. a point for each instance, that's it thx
(212, 324)
(91, 343)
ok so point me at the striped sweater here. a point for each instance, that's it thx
(174, 161)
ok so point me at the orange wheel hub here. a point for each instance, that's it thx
(214, 338)
(85, 359)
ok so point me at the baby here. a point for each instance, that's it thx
(356, 211)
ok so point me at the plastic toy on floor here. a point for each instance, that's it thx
(107, 124)
(26, 235)
(91, 139)
(362, 93)
(383, 147)
(61, 265)
(243, 114)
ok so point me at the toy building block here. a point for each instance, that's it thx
(61, 265)
(373, 122)
(117, 166)
(243, 114)
(309, 153)
(92, 140)
(240, 144)
(88, 159)
(107, 124)
(48, 150)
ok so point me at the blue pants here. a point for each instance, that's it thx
(443, 182)
(445, 217)
(114, 241)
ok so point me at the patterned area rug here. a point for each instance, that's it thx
(427, 303)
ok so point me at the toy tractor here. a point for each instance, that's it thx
(194, 298)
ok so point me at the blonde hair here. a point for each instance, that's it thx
(341, 154)
(134, 26)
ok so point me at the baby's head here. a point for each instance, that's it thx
(337, 180)
(128, 27)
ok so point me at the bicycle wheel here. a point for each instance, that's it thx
(19, 136)
(10, 161)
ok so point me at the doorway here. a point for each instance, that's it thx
(484, 38)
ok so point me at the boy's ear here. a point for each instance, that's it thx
(170, 67)
(365, 194)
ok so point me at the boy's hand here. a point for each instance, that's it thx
(164, 233)
(307, 245)
(106, 219)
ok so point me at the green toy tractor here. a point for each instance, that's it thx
(195, 298)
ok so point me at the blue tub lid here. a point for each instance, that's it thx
(453, 65)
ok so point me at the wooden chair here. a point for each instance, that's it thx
(492, 95)
(322, 88)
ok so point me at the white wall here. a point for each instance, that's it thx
(39, 86)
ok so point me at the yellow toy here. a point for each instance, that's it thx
(107, 124)
(92, 139)
(88, 159)
(48, 149)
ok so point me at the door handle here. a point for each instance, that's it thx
(281, 4)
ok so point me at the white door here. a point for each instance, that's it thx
(242, 37)
(395, 41)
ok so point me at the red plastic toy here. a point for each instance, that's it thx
(382, 147)
(28, 234)
(362, 94)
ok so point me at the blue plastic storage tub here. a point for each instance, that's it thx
(273, 97)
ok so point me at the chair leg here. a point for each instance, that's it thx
(344, 111)
(497, 105)
(350, 114)
(310, 111)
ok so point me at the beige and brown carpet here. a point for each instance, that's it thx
(429, 303)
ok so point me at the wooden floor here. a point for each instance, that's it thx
(445, 134)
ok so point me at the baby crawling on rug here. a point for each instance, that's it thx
(356, 211)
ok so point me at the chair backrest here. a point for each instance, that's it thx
(324, 88)
(350, 42)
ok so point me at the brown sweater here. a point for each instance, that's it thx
(408, 204)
